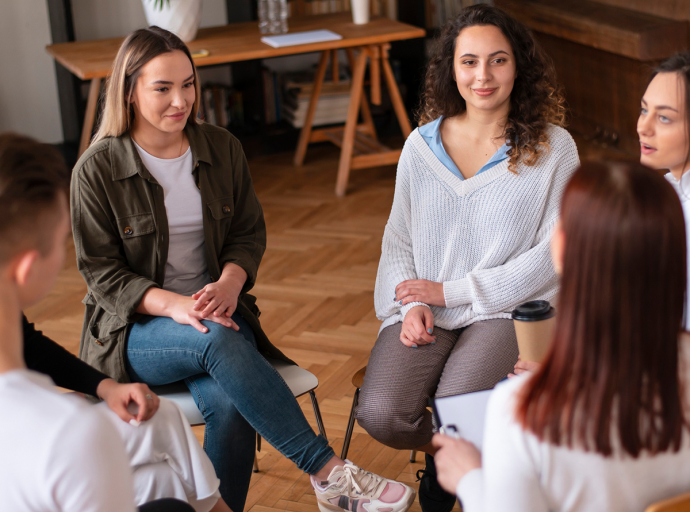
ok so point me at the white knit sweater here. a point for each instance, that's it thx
(485, 238)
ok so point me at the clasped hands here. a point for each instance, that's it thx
(215, 302)
(418, 325)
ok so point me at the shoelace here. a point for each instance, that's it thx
(366, 484)
(422, 471)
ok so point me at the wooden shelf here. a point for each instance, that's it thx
(632, 34)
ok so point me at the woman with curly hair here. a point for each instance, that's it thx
(477, 195)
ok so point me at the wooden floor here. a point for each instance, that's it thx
(315, 290)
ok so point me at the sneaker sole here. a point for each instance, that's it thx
(324, 506)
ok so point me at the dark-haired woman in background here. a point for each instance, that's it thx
(477, 195)
(602, 424)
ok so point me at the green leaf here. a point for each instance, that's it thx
(158, 4)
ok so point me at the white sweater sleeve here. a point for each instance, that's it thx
(397, 257)
(509, 476)
(492, 290)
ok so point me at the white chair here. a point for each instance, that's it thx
(299, 380)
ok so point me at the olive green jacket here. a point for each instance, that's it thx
(120, 232)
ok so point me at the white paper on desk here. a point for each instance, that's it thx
(310, 36)
(467, 412)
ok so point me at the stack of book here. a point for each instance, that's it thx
(377, 7)
(332, 107)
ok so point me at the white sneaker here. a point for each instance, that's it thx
(351, 488)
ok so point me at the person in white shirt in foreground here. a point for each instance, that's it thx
(602, 425)
(58, 452)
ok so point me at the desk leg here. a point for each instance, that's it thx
(335, 71)
(351, 123)
(366, 111)
(396, 99)
(305, 134)
(375, 74)
(90, 115)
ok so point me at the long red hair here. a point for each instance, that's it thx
(613, 365)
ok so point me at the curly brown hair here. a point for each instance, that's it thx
(535, 101)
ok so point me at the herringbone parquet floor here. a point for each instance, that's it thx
(315, 290)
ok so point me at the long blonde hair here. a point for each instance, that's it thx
(140, 47)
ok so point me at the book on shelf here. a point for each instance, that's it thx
(287, 95)
(328, 88)
(326, 6)
(377, 7)
(332, 106)
(221, 105)
(322, 117)
(438, 12)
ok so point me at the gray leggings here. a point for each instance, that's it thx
(400, 380)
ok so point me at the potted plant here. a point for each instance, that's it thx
(182, 17)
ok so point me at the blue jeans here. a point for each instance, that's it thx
(237, 391)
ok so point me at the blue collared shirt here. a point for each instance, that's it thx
(431, 133)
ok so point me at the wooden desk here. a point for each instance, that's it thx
(92, 60)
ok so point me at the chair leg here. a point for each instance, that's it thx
(350, 426)
(258, 449)
(317, 413)
(413, 455)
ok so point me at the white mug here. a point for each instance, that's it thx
(360, 11)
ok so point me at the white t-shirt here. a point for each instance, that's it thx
(682, 188)
(520, 473)
(57, 453)
(185, 271)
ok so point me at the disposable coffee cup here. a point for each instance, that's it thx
(360, 11)
(534, 323)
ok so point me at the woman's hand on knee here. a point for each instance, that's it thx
(183, 312)
(417, 327)
(118, 398)
(420, 290)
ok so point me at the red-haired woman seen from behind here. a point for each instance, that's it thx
(602, 424)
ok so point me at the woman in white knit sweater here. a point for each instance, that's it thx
(602, 425)
(477, 195)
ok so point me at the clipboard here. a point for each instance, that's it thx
(463, 415)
